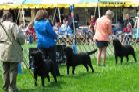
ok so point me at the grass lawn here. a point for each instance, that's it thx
(111, 78)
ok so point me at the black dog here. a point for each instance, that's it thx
(78, 59)
(42, 66)
(123, 50)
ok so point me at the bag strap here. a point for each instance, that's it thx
(5, 32)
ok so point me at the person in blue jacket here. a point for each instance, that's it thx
(46, 37)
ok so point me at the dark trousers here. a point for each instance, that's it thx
(51, 53)
(10, 71)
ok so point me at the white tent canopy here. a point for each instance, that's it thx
(47, 1)
(10, 1)
(65, 3)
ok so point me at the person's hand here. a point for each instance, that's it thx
(94, 39)
(21, 26)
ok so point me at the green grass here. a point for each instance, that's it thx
(111, 78)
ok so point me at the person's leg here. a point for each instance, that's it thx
(13, 75)
(104, 55)
(6, 79)
(130, 39)
(99, 55)
(52, 55)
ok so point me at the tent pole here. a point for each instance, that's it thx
(116, 12)
(98, 9)
(59, 15)
(95, 11)
(23, 13)
(54, 15)
(23, 16)
(74, 29)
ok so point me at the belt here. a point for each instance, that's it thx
(2, 41)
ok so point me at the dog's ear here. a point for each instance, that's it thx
(114, 41)
(117, 43)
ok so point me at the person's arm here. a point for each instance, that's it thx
(90, 26)
(135, 25)
(50, 30)
(95, 25)
(109, 28)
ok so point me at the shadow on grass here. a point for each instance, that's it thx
(56, 85)
(80, 75)
(127, 63)
(51, 87)
(38, 90)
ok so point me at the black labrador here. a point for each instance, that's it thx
(42, 66)
(123, 50)
(78, 59)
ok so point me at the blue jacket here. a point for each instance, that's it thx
(46, 37)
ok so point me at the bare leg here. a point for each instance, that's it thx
(104, 55)
(99, 55)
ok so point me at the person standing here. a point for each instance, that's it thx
(120, 20)
(31, 33)
(11, 39)
(92, 23)
(128, 21)
(56, 26)
(127, 29)
(90, 30)
(103, 28)
(137, 28)
(46, 37)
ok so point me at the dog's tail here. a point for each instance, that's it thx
(90, 53)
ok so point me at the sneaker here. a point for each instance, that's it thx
(13, 90)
